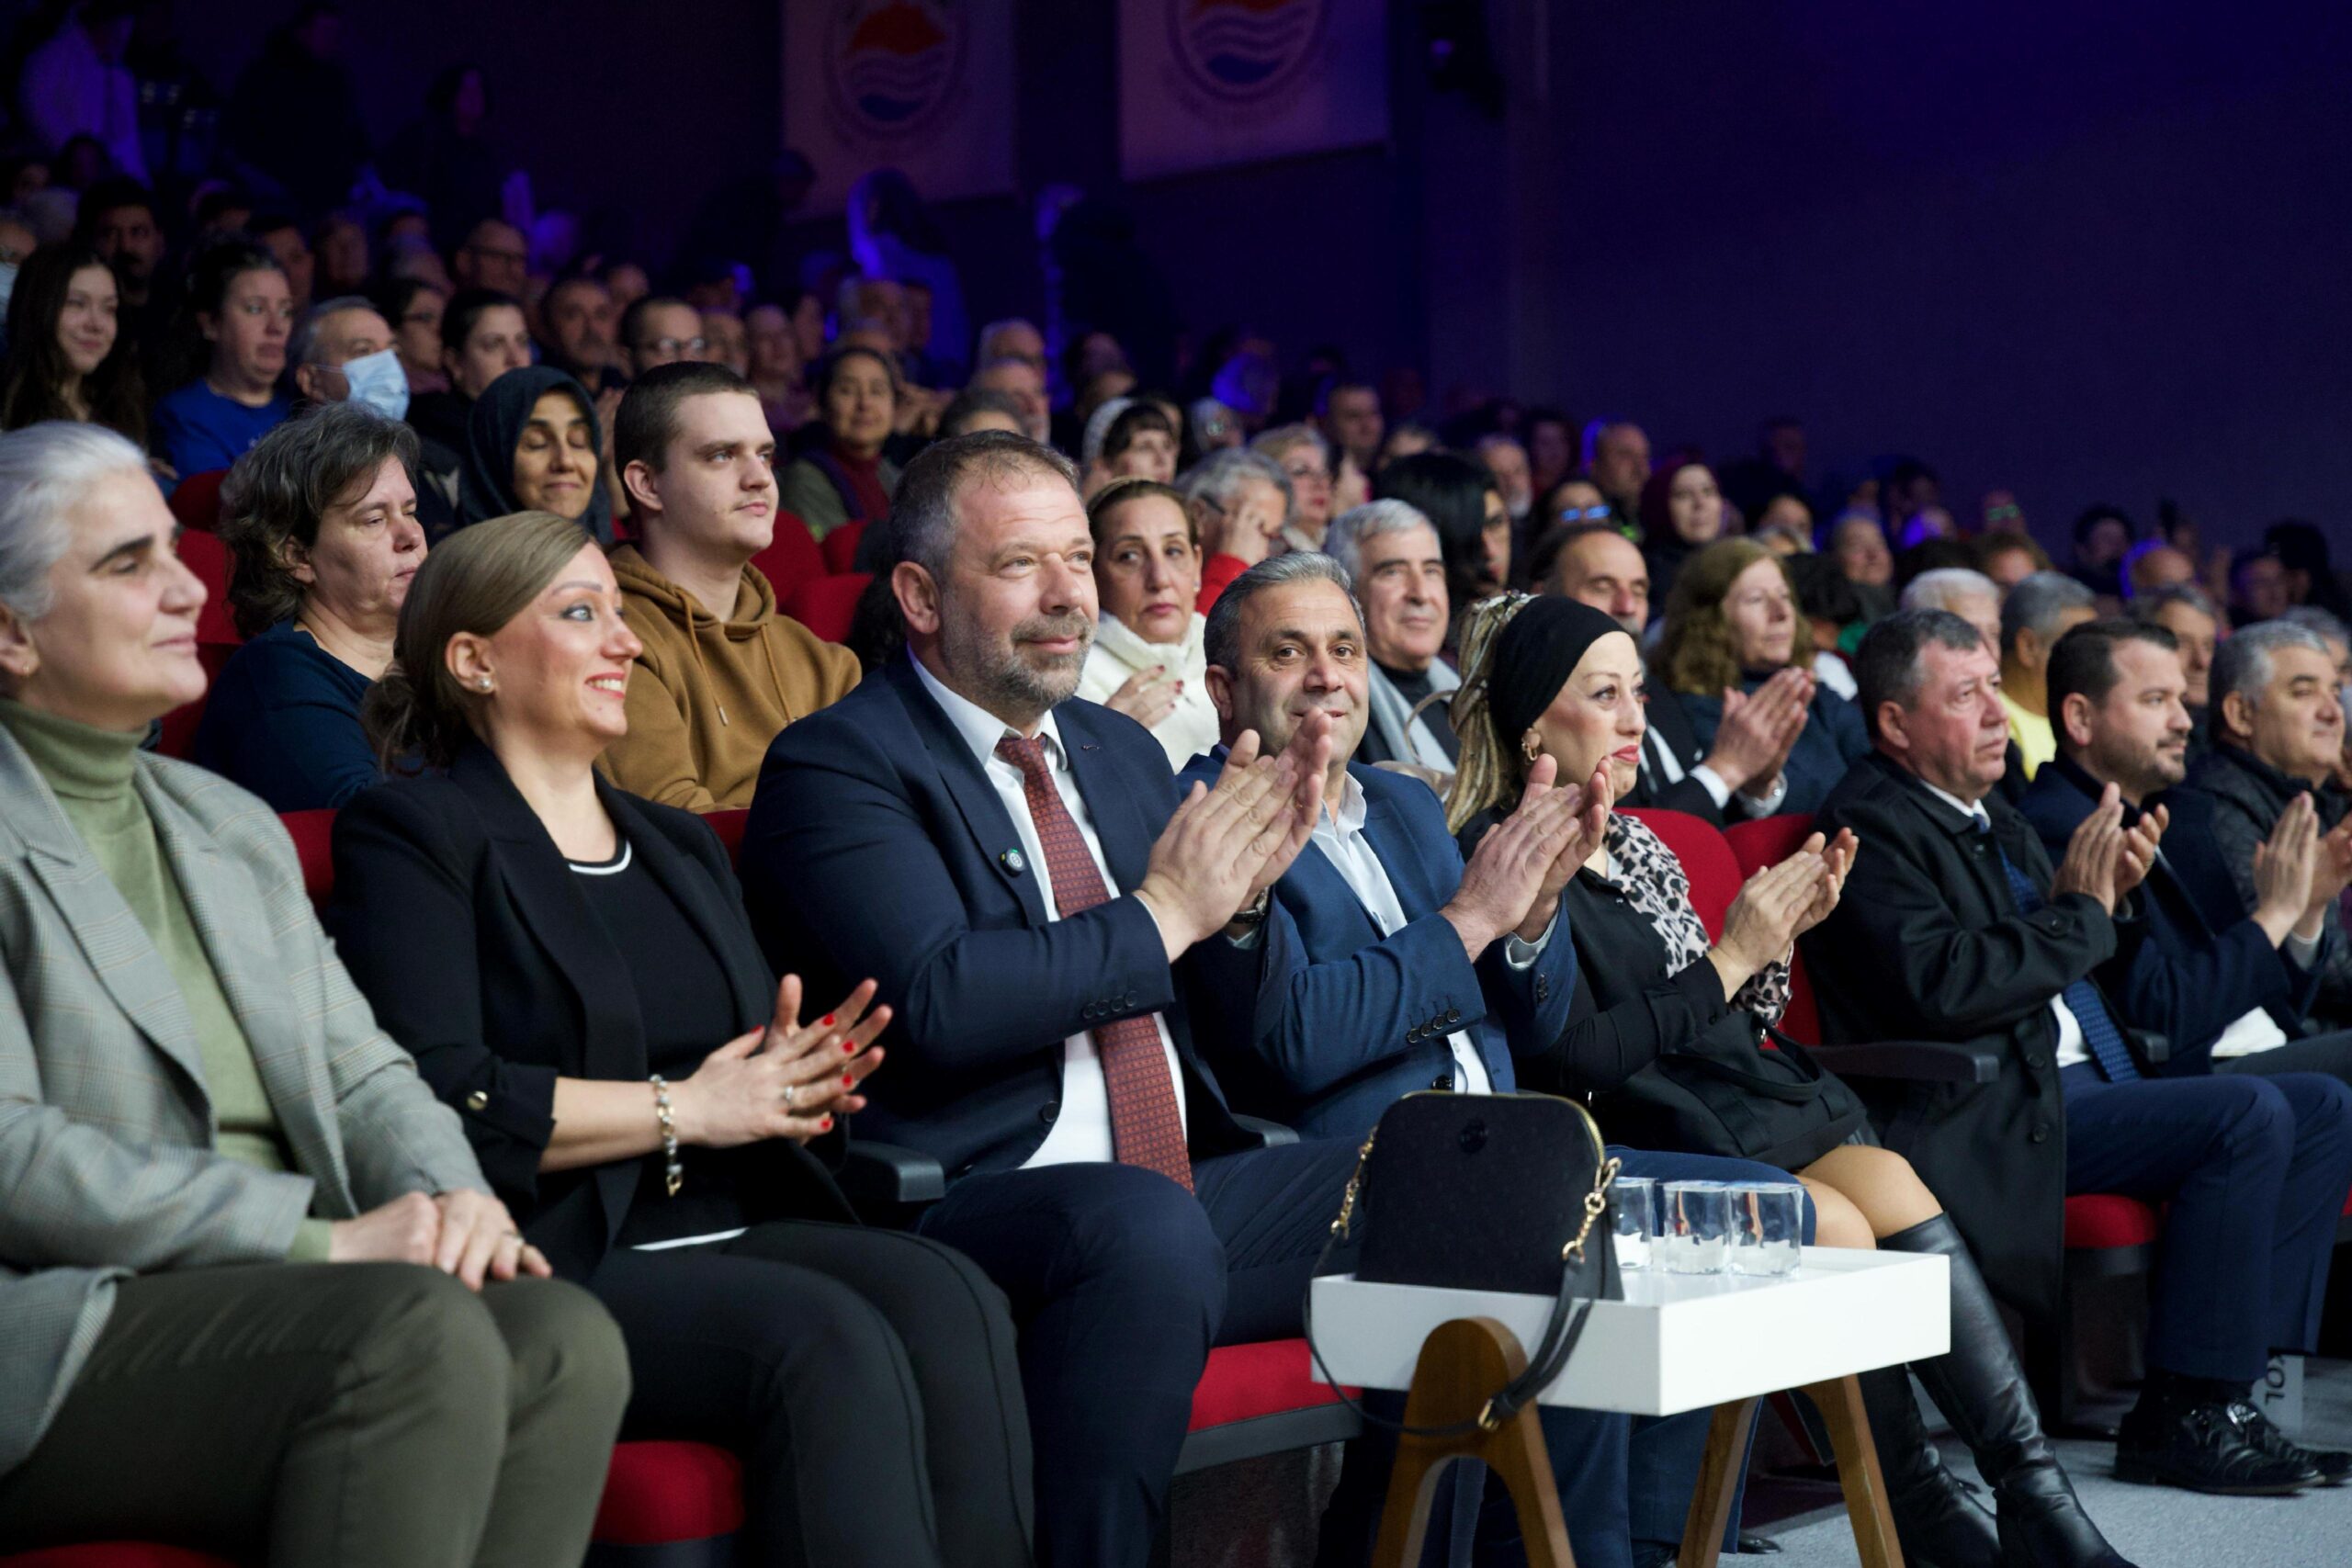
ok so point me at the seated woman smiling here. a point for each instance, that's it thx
(1556, 677)
(1147, 661)
(573, 968)
(534, 444)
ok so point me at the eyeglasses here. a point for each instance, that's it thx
(674, 345)
(1583, 515)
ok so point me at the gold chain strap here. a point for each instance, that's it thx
(1595, 1201)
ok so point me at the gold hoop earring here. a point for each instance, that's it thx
(1530, 746)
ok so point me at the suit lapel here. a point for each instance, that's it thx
(238, 935)
(968, 785)
(117, 947)
(1119, 824)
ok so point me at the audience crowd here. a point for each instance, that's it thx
(1174, 760)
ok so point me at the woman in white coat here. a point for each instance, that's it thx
(1147, 661)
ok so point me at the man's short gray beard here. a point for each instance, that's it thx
(1004, 682)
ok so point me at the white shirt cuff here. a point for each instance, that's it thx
(1711, 782)
(2302, 951)
(1523, 954)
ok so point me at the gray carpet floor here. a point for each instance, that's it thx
(2157, 1527)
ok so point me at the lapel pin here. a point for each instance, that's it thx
(1010, 859)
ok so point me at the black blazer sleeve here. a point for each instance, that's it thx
(1603, 1047)
(402, 916)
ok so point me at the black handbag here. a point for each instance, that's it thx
(1485, 1192)
(1726, 1095)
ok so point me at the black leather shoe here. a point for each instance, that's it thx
(2333, 1465)
(2202, 1448)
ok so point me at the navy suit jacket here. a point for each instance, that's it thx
(876, 847)
(1326, 1022)
(2204, 963)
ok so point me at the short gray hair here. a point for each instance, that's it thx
(2311, 617)
(2243, 663)
(1218, 477)
(1221, 638)
(302, 348)
(923, 512)
(2037, 601)
(2146, 607)
(1936, 590)
(1359, 525)
(1888, 666)
(1282, 438)
(986, 342)
(44, 470)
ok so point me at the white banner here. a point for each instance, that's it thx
(923, 85)
(1203, 83)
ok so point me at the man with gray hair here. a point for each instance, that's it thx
(2278, 722)
(2038, 612)
(342, 351)
(1024, 382)
(1016, 870)
(1390, 552)
(1239, 502)
(1955, 927)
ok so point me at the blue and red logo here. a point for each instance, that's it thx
(893, 67)
(1245, 52)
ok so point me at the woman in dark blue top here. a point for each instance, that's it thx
(320, 519)
(1733, 624)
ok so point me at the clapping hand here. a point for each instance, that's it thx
(1591, 824)
(1225, 845)
(783, 1079)
(1502, 886)
(1836, 861)
(2092, 853)
(1763, 921)
(2136, 849)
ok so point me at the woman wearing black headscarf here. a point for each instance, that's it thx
(1654, 996)
(533, 444)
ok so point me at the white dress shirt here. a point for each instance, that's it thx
(1669, 770)
(2071, 1048)
(1081, 1130)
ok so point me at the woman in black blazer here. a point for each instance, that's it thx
(572, 969)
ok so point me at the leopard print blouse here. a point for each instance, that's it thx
(1644, 870)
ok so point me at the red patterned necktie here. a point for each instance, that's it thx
(1146, 1129)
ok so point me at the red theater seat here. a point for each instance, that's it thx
(2099, 1220)
(116, 1554)
(840, 547)
(661, 1493)
(313, 835)
(1706, 860)
(729, 826)
(209, 559)
(826, 604)
(792, 557)
(1262, 1399)
(195, 501)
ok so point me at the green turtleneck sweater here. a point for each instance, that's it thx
(89, 771)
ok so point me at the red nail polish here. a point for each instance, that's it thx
(827, 1124)
(849, 1047)
(849, 1080)
(826, 1022)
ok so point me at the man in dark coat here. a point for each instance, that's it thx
(1956, 926)
(2228, 989)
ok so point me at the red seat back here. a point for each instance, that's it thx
(196, 502)
(660, 1493)
(840, 546)
(729, 826)
(313, 835)
(792, 557)
(209, 559)
(1759, 844)
(1706, 860)
(115, 1555)
(1242, 1383)
(826, 604)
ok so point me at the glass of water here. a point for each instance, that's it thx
(1634, 1206)
(1767, 1226)
(1694, 1228)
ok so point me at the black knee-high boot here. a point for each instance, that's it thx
(1982, 1392)
(1939, 1521)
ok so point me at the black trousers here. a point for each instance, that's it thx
(2329, 1053)
(1120, 1282)
(866, 1376)
(365, 1414)
(2256, 1170)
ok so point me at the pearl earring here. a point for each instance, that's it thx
(484, 683)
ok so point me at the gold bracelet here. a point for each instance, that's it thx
(663, 1111)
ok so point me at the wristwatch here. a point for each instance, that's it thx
(1255, 912)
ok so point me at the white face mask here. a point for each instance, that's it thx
(377, 381)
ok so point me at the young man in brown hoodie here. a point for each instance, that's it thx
(722, 672)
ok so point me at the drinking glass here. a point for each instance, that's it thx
(1635, 1210)
(1694, 1232)
(1768, 1227)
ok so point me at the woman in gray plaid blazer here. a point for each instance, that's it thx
(254, 1293)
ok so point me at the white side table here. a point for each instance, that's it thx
(1677, 1342)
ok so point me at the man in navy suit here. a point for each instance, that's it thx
(1017, 870)
(1381, 965)
(2230, 990)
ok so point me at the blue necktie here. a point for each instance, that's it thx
(2082, 998)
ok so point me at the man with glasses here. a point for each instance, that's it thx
(661, 329)
(494, 255)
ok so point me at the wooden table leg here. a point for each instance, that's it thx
(1702, 1528)
(1461, 1364)
(1840, 1402)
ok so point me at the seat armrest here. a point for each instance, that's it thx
(890, 1173)
(1269, 1134)
(2156, 1048)
(1916, 1061)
